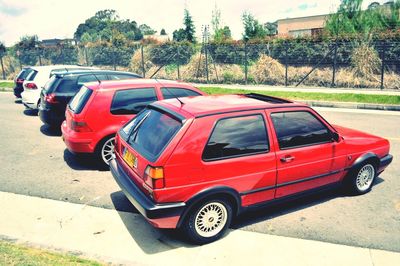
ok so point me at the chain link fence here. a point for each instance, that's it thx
(352, 64)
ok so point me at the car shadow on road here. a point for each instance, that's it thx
(276, 210)
(82, 162)
(30, 112)
(150, 239)
(50, 131)
(19, 101)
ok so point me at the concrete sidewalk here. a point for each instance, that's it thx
(125, 238)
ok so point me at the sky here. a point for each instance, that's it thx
(59, 19)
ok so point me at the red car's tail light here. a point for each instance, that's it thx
(154, 177)
(80, 126)
(50, 98)
(31, 86)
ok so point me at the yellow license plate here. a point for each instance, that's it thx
(129, 158)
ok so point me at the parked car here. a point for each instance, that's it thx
(35, 81)
(98, 110)
(62, 86)
(19, 79)
(195, 164)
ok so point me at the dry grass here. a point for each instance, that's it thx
(268, 70)
(136, 61)
(365, 62)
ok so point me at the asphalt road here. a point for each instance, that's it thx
(34, 161)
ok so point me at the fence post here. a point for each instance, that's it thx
(113, 57)
(142, 58)
(383, 64)
(245, 63)
(286, 63)
(40, 58)
(334, 64)
(86, 55)
(2, 67)
(206, 54)
(177, 62)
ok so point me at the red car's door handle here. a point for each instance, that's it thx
(287, 159)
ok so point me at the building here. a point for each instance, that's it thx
(159, 38)
(56, 42)
(303, 26)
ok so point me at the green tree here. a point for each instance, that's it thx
(216, 19)
(104, 22)
(179, 35)
(163, 32)
(146, 29)
(351, 19)
(222, 35)
(252, 28)
(26, 49)
(187, 32)
(271, 28)
(189, 28)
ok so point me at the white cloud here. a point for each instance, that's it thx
(59, 19)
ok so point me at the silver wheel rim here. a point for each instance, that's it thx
(365, 177)
(107, 151)
(210, 219)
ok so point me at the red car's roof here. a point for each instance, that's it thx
(214, 104)
(117, 84)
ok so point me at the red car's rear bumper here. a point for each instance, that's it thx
(75, 142)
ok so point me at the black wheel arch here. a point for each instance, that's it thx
(367, 157)
(218, 192)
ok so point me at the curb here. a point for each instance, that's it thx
(367, 106)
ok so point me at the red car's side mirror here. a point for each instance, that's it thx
(336, 137)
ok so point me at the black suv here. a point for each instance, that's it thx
(19, 80)
(63, 86)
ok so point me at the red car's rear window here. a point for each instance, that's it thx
(150, 132)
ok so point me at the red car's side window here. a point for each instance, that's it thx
(299, 128)
(132, 101)
(237, 136)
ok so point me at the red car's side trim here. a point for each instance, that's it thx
(291, 183)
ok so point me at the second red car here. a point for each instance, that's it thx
(98, 110)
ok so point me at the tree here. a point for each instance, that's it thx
(351, 19)
(220, 33)
(271, 28)
(187, 32)
(190, 29)
(26, 48)
(104, 22)
(216, 19)
(223, 34)
(146, 30)
(179, 35)
(252, 28)
(163, 32)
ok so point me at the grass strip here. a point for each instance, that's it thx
(13, 254)
(6, 84)
(315, 96)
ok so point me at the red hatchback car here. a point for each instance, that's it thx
(196, 163)
(98, 110)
